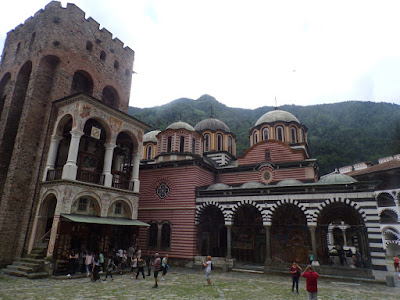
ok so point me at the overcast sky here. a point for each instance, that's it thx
(246, 53)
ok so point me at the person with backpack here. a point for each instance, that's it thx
(110, 266)
(295, 271)
(208, 265)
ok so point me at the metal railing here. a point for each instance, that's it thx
(54, 174)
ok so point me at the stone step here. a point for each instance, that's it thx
(14, 272)
(35, 265)
(38, 251)
(16, 267)
(37, 275)
(32, 260)
(36, 255)
(34, 275)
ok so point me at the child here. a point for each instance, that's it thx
(134, 266)
(207, 264)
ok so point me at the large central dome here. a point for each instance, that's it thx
(181, 125)
(275, 116)
(211, 124)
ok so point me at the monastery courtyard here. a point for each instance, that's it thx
(188, 284)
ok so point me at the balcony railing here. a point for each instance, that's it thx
(88, 176)
(122, 184)
(54, 174)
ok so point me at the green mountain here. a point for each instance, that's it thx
(339, 134)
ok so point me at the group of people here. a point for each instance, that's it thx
(311, 280)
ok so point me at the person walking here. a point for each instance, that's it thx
(110, 266)
(208, 265)
(73, 257)
(88, 262)
(396, 262)
(295, 271)
(156, 268)
(311, 282)
(149, 259)
(134, 265)
(95, 268)
(164, 266)
(141, 264)
(101, 261)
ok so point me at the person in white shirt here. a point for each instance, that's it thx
(207, 264)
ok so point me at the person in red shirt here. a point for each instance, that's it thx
(396, 263)
(311, 282)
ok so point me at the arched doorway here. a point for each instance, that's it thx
(354, 237)
(212, 232)
(290, 236)
(248, 235)
(45, 218)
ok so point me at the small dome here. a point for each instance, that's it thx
(252, 185)
(336, 178)
(277, 115)
(211, 124)
(151, 136)
(218, 186)
(181, 125)
(289, 182)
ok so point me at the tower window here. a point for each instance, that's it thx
(89, 46)
(267, 155)
(265, 133)
(116, 64)
(220, 144)
(230, 144)
(103, 55)
(293, 135)
(193, 145)
(206, 142)
(255, 137)
(149, 152)
(169, 144)
(182, 144)
(279, 134)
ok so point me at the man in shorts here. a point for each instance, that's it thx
(156, 268)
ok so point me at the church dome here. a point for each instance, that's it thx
(218, 186)
(336, 178)
(181, 125)
(252, 185)
(289, 182)
(275, 116)
(211, 124)
(151, 136)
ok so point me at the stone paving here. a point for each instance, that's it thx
(188, 284)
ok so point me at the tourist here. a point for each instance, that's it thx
(353, 261)
(73, 257)
(141, 264)
(88, 263)
(110, 266)
(164, 266)
(311, 283)
(295, 271)
(208, 265)
(134, 264)
(149, 259)
(95, 268)
(131, 252)
(101, 261)
(156, 268)
(310, 257)
(396, 263)
(81, 257)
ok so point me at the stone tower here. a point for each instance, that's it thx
(54, 54)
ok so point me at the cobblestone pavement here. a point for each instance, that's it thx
(187, 284)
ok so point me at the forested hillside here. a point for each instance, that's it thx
(339, 134)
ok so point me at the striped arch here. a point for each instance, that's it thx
(259, 207)
(203, 206)
(327, 202)
(387, 243)
(289, 201)
(390, 210)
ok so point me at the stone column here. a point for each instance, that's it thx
(53, 235)
(51, 157)
(135, 172)
(313, 228)
(70, 168)
(229, 240)
(108, 158)
(268, 256)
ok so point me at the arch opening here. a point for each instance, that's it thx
(212, 232)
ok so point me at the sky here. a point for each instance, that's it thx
(249, 53)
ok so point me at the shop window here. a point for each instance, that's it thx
(165, 236)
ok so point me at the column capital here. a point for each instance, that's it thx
(110, 146)
(56, 138)
(76, 133)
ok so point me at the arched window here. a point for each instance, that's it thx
(169, 144)
(206, 142)
(267, 155)
(166, 235)
(230, 144)
(149, 152)
(82, 82)
(220, 142)
(153, 233)
(265, 133)
(182, 144)
(302, 139)
(279, 135)
(293, 135)
(194, 146)
(388, 217)
(110, 96)
(255, 137)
